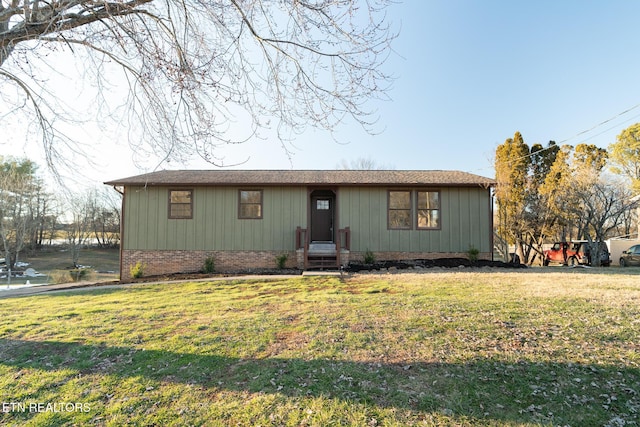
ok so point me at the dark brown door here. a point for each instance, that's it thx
(322, 218)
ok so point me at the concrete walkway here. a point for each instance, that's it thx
(19, 291)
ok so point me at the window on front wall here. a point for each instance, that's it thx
(405, 214)
(399, 209)
(250, 204)
(428, 209)
(180, 204)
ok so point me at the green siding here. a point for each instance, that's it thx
(215, 224)
(465, 218)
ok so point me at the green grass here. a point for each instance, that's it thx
(458, 348)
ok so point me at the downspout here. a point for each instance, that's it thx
(491, 232)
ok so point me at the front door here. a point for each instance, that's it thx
(322, 219)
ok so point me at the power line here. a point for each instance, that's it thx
(612, 127)
(601, 124)
(585, 131)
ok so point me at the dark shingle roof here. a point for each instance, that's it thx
(305, 177)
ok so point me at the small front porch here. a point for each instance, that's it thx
(315, 255)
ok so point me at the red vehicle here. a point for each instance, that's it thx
(575, 253)
(558, 254)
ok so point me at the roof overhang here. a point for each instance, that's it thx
(405, 178)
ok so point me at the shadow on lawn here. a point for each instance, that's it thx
(519, 392)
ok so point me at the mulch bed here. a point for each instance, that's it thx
(430, 263)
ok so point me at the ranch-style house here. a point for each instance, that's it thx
(173, 220)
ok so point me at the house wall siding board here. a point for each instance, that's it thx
(205, 208)
(156, 210)
(464, 218)
(378, 213)
(485, 231)
(287, 220)
(133, 214)
(215, 224)
(474, 221)
(225, 200)
(354, 211)
(452, 232)
(350, 212)
(131, 220)
(138, 212)
(142, 217)
(366, 206)
(290, 211)
(347, 203)
(467, 218)
(227, 236)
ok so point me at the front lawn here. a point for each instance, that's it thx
(439, 348)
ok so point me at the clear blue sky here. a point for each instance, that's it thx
(475, 72)
(469, 74)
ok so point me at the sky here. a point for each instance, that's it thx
(468, 75)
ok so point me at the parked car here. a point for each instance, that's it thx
(558, 254)
(631, 256)
(575, 253)
(583, 253)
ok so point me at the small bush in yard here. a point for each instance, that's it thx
(59, 276)
(281, 260)
(137, 271)
(79, 274)
(369, 257)
(472, 253)
(209, 265)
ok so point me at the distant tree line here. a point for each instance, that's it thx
(32, 217)
(562, 193)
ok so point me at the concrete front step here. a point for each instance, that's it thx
(322, 248)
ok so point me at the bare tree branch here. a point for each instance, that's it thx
(201, 74)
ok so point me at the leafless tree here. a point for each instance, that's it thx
(104, 212)
(199, 73)
(78, 230)
(605, 205)
(16, 221)
(362, 163)
(92, 214)
(43, 214)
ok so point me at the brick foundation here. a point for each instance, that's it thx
(165, 262)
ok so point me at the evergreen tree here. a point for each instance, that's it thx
(511, 165)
